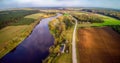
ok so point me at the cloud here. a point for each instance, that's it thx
(61, 3)
(46, 3)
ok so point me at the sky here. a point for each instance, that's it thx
(60, 3)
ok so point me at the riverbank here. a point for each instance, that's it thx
(62, 30)
(15, 34)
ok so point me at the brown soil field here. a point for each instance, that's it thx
(98, 45)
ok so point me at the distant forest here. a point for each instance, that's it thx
(108, 12)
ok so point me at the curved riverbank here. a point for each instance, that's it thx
(35, 47)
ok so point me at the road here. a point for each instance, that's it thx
(74, 55)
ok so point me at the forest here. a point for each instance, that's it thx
(11, 17)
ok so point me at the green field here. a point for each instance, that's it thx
(107, 21)
(11, 36)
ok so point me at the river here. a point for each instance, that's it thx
(35, 47)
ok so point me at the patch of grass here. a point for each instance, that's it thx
(66, 14)
(10, 32)
(107, 21)
(64, 58)
(35, 16)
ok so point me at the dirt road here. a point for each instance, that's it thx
(98, 45)
(74, 55)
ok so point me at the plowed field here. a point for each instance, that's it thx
(98, 45)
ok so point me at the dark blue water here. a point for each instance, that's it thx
(35, 47)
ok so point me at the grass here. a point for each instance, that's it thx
(66, 57)
(35, 16)
(66, 14)
(107, 21)
(11, 31)
(11, 36)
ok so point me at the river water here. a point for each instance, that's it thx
(35, 47)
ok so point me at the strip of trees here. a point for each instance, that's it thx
(115, 28)
(108, 12)
(91, 18)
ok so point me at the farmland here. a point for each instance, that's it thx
(97, 36)
(98, 45)
(97, 39)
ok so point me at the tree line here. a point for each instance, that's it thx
(91, 18)
(107, 12)
(115, 28)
